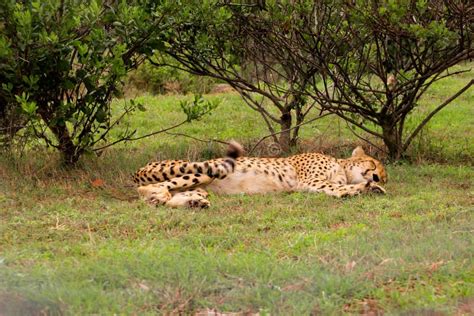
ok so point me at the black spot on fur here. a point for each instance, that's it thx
(186, 177)
(182, 169)
(174, 182)
(195, 180)
(199, 169)
(155, 177)
(171, 171)
(280, 178)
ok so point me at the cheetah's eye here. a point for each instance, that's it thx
(375, 177)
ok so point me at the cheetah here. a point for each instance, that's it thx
(178, 183)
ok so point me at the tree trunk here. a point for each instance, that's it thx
(393, 141)
(285, 135)
(299, 103)
(69, 151)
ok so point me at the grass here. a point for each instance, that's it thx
(445, 139)
(70, 244)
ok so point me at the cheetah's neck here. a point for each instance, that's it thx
(348, 165)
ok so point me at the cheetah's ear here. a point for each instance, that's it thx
(358, 151)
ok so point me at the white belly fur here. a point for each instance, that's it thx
(251, 182)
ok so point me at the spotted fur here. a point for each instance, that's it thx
(182, 183)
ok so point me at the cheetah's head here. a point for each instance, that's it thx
(361, 168)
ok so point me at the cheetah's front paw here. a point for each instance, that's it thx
(375, 188)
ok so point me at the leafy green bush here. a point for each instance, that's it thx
(62, 62)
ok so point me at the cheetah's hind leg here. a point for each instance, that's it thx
(158, 194)
(154, 194)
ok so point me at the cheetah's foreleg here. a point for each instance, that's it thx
(342, 190)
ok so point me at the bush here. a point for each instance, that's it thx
(62, 62)
(163, 80)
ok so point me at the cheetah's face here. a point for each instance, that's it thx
(365, 168)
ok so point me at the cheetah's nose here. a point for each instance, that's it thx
(376, 178)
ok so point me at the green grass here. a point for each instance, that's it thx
(68, 246)
(445, 139)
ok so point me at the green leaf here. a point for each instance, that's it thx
(101, 116)
(28, 107)
(197, 108)
(141, 107)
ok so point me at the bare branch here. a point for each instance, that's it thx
(363, 138)
(140, 137)
(289, 129)
(436, 110)
(199, 139)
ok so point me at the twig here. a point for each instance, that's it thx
(137, 138)
(199, 139)
(227, 143)
(12, 127)
(364, 139)
(439, 108)
(285, 130)
(89, 232)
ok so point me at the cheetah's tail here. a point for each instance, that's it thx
(235, 150)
